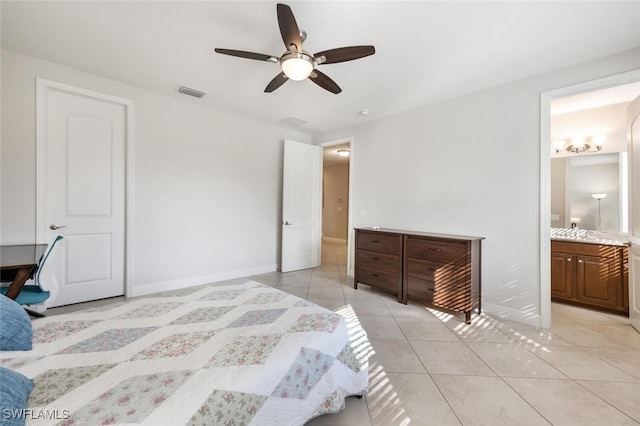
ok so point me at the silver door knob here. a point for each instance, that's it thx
(54, 227)
(286, 222)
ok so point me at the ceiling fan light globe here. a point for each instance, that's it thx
(297, 67)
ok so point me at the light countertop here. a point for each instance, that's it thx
(588, 236)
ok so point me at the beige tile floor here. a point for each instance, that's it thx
(430, 368)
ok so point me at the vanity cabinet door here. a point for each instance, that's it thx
(561, 276)
(598, 281)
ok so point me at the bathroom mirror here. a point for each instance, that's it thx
(589, 192)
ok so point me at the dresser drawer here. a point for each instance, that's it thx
(436, 251)
(422, 269)
(420, 289)
(386, 280)
(379, 261)
(446, 275)
(375, 241)
(431, 292)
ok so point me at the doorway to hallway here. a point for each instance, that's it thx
(335, 193)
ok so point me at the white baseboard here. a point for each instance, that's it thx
(141, 290)
(334, 240)
(502, 312)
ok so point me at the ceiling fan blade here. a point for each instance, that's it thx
(343, 54)
(325, 82)
(277, 81)
(288, 27)
(247, 55)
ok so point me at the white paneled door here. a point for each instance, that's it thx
(633, 112)
(301, 206)
(81, 189)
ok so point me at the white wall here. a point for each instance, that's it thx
(469, 166)
(207, 184)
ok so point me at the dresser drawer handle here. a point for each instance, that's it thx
(431, 269)
(434, 249)
(432, 290)
(375, 241)
(375, 275)
(377, 259)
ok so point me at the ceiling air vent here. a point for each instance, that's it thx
(191, 92)
(292, 121)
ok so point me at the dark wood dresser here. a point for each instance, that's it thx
(442, 270)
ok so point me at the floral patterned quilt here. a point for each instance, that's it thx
(223, 354)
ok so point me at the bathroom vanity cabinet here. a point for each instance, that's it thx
(590, 275)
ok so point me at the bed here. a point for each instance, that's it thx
(232, 353)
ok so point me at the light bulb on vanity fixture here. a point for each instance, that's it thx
(343, 152)
(578, 145)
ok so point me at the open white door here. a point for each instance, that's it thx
(633, 120)
(301, 206)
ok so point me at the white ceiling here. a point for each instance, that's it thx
(425, 51)
(596, 98)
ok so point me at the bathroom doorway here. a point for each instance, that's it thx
(582, 101)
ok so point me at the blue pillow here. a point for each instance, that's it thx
(16, 333)
(14, 392)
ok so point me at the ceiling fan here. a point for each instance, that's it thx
(298, 64)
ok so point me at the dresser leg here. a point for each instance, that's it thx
(467, 317)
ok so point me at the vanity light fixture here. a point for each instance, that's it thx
(343, 152)
(578, 145)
